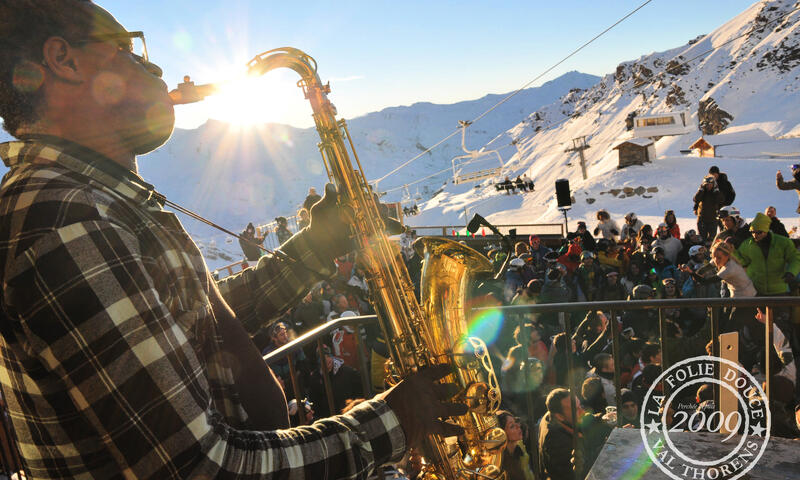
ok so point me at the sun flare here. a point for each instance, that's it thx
(246, 101)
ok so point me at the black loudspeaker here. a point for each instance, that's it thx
(562, 193)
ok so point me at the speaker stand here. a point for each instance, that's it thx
(566, 222)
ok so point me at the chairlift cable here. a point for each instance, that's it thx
(674, 67)
(568, 117)
(508, 97)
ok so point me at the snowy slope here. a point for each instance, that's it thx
(753, 78)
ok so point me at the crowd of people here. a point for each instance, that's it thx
(614, 261)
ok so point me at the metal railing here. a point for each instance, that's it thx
(555, 229)
(611, 307)
(713, 304)
(9, 456)
(314, 336)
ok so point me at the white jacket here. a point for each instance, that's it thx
(605, 229)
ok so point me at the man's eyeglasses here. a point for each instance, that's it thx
(132, 43)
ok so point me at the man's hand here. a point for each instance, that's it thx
(779, 175)
(330, 229)
(418, 402)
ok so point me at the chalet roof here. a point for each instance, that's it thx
(734, 138)
(752, 143)
(662, 114)
(639, 142)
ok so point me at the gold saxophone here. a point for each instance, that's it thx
(435, 332)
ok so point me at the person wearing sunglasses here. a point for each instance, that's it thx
(122, 357)
(772, 261)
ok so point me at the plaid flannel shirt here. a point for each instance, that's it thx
(111, 364)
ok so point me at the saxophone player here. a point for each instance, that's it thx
(119, 356)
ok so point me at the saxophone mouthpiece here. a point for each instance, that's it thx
(188, 92)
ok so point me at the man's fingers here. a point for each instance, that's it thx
(446, 429)
(435, 372)
(454, 409)
(444, 391)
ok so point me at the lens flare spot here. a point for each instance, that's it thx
(27, 77)
(108, 88)
(182, 40)
(486, 325)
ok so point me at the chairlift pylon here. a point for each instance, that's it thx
(472, 156)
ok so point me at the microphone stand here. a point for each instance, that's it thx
(507, 240)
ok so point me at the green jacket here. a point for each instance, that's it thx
(767, 275)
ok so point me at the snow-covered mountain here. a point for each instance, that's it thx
(235, 175)
(749, 81)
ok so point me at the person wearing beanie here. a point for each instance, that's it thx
(707, 202)
(770, 260)
(586, 238)
(723, 184)
(793, 184)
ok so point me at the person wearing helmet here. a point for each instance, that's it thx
(793, 184)
(698, 258)
(671, 245)
(708, 201)
(663, 267)
(588, 275)
(631, 228)
(514, 278)
(735, 229)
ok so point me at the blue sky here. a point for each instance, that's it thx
(379, 54)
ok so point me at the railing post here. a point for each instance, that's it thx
(769, 319)
(326, 378)
(301, 410)
(715, 350)
(565, 320)
(615, 349)
(366, 381)
(662, 336)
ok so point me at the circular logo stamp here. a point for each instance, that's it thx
(743, 430)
